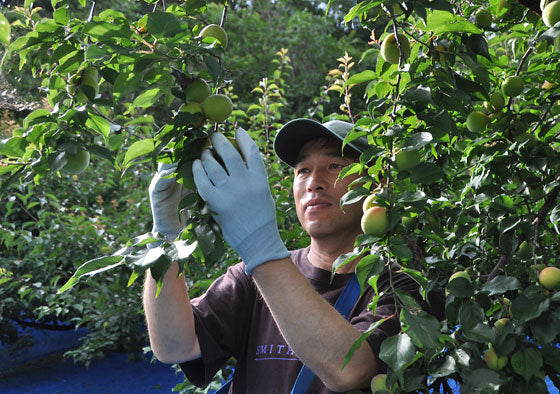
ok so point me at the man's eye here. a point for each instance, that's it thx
(302, 171)
(337, 166)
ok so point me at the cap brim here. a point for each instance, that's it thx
(294, 134)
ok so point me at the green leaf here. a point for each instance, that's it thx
(524, 308)
(38, 116)
(439, 22)
(423, 328)
(370, 265)
(344, 259)
(481, 333)
(105, 31)
(397, 352)
(546, 327)
(99, 124)
(441, 368)
(213, 67)
(417, 141)
(358, 342)
(146, 99)
(354, 196)
(364, 76)
(470, 314)
(139, 148)
(460, 287)
(5, 29)
(526, 362)
(163, 24)
(13, 147)
(426, 174)
(61, 16)
(500, 284)
(481, 381)
(92, 267)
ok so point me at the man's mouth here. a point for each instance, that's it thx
(316, 204)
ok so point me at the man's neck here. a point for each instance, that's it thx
(323, 253)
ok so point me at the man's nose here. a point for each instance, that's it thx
(317, 181)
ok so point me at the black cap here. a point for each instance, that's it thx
(294, 134)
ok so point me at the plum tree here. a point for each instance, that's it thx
(390, 49)
(217, 107)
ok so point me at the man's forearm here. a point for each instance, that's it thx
(315, 331)
(170, 318)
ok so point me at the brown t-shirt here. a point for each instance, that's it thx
(232, 320)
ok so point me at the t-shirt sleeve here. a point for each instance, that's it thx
(221, 323)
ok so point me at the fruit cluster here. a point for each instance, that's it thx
(198, 98)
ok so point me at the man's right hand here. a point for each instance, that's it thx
(165, 194)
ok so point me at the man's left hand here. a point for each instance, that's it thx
(239, 195)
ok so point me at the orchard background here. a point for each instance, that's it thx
(474, 195)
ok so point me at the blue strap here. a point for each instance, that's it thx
(225, 388)
(343, 305)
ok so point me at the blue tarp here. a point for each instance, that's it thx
(41, 369)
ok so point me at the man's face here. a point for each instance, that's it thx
(317, 192)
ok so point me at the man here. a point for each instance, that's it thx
(274, 310)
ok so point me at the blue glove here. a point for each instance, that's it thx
(241, 200)
(165, 194)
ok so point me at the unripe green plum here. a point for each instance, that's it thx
(77, 163)
(494, 361)
(375, 221)
(193, 108)
(477, 121)
(198, 90)
(406, 160)
(513, 86)
(408, 222)
(549, 278)
(483, 18)
(370, 201)
(497, 101)
(500, 324)
(551, 13)
(217, 32)
(378, 385)
(460, 274)
(390, 49)
(217, 107)
(525, 250)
